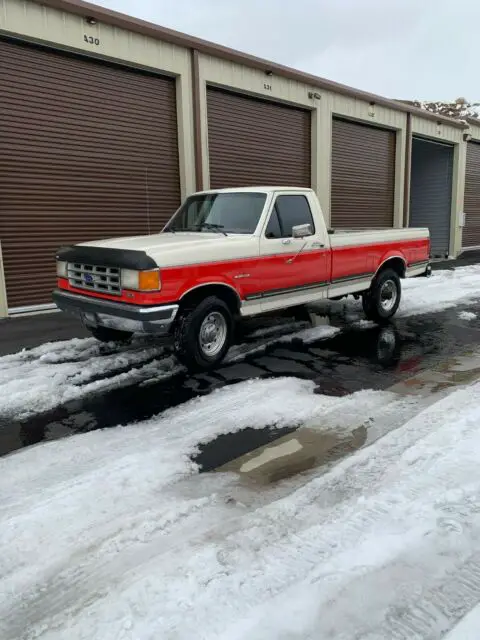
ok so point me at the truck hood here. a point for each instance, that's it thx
(169, 249)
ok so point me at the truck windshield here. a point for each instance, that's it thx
(219, 212)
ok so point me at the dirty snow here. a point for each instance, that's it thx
(39, 379)
(109, 538)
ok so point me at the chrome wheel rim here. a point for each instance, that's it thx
(386, 345)
(388, 295)
(213, 334)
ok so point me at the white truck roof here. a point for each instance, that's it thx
(256, 189)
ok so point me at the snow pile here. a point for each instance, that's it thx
(109, 537)
(467, 315)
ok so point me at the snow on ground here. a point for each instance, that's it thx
(110, 538)
(54, 373)
(467, 315)
(467, 628)
(443, 290)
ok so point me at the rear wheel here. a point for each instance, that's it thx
(381, 301)
(203, 334)
(104, 334)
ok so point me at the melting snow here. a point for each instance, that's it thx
(113, 534)
(106, 538)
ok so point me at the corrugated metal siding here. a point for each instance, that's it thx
(254, 142)
(87, 151)
(471, 231)
(363, 176)
(436, 130)
(431, 192)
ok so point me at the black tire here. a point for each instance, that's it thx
(381, 301)
(104, 334)
(188, 334)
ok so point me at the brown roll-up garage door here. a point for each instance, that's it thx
(87, 151)
(255, 142)
(363, 175)
(471, 231)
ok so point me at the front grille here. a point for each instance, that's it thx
(94, 278)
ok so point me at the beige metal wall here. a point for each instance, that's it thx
(453, 135)
(32, 21)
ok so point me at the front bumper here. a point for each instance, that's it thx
(95, 312)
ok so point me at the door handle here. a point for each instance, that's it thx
(287, 241)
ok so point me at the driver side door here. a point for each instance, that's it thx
(290, 267)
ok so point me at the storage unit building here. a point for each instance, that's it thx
(363, 175)
(252, 141)
(87, 150)
(107, 122)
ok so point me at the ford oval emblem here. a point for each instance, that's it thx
(88, 278)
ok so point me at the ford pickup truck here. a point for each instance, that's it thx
(227, 254)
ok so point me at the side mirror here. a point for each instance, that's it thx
(302, 230)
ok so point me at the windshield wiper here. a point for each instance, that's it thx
(214, 227)
(170, 230)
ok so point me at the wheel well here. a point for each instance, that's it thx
(224, 292)
(397, 264)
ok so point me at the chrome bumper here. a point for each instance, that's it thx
(95, 312)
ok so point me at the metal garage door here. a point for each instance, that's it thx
(431, 192)
(471, 231)
(253, 142)
(87, 151)
(363, 176)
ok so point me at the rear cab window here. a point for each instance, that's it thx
(288, 211)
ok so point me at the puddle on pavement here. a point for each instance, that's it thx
(295, 453)
(360, 356)
(289, 452)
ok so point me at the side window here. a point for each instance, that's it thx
(292, 211)
(273, 227)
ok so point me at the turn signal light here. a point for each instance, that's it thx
(141, 280)
(149, 280)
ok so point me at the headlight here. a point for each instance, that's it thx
(141, 280)
(61, 269)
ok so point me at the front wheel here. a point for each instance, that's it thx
(203, 334)
(381, 301)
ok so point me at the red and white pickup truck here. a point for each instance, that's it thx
(230, 253)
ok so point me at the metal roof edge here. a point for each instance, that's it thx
(121, 20)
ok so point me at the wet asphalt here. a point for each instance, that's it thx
(360, 356)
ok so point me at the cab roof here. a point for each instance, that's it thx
(255, 189)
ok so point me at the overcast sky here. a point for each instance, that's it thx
(423, 49)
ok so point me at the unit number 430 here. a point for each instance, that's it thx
(91, 40)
